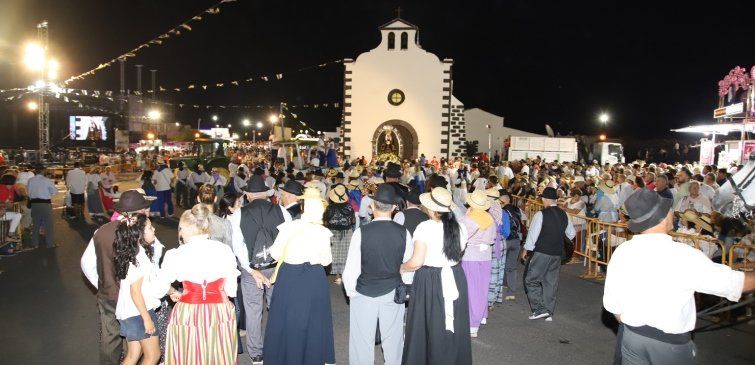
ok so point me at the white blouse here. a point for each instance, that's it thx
(299, 242)
(146, 269)
(198, 260)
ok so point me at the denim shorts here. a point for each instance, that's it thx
(132, 328)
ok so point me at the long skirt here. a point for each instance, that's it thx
(427, 341)
(202, 334)
(300, 324)
(154, 208)
(497, 271)
(94, 204)
(478, 281)
(340, 241)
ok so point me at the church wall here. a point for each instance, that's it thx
(457, 133)
(425, 81)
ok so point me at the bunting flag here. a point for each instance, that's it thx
(176, 31)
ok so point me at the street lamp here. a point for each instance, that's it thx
(214, 118)
(604, 118)
(229, 126)
(273, 118)
(178, 124)
(154, 114)
(259, 125)
(246, 122)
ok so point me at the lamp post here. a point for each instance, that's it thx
(36, 60)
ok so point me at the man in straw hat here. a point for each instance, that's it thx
(546, 242)
(370, 278)
(254, 231)
(607, 204)
(652, 296)
(99, 269)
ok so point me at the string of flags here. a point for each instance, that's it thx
(186, 26)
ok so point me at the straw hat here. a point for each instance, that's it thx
(311, 193)
(493, 193)
(607, 186)
(437, 200)
(332, 172)
(338, 194)
(354, 183)
(354, 174)
(478, 200)
(705, 222)
(690, 215)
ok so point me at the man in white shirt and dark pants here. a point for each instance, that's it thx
(370, 277)
(41, 191)
(76, 180)
(651, 284)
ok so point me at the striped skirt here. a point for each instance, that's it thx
(202, 334)
(340, 241)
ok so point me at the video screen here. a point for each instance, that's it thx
(88, 128)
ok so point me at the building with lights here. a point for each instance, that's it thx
(398, 100)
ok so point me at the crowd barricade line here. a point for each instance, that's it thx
(708, 245)
(741, 257)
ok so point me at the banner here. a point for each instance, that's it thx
(707, 152)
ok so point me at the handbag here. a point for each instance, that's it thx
(403, 293)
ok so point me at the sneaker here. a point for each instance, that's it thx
(549, 319)
(473, 332)
(539, 315)
(484, 321)
(338, 281)
(510, 297)
(257, 360)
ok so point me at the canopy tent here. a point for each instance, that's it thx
(719, 128)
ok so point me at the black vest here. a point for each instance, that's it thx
(413, 217)
(259, 226)
(295, 211)
(552, 232)
(383, 245)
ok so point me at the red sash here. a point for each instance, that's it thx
(203, 293)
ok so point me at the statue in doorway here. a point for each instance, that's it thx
(387, 143)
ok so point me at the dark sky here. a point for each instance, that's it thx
(653, 65)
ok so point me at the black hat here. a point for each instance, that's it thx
(293, 187)
(413, 197)
(318, 172)
(393, 170)
(256, 184)
(299, 176)
(503, 192)
(290, 170)
(438, 181)
(132, 201)
(385, 193)
(646, 209)
(549, 193)
(339, 175)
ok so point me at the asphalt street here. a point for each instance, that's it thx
(48, 315)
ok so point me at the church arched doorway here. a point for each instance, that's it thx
(395, 137)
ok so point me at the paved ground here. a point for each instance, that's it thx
(48, 315)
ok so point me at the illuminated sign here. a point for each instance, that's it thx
(728, 111)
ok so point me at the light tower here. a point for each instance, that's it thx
(43, 112)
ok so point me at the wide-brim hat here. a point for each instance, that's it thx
(332, 172)
(478, 200)
(293, 187)
(132, 201)
(385, 193)
(690, 215)
(318, 172)
(607, 186)
(257, 185)
(705, 222)
(338, 194)
(413, 197)
(646, 209)
(354, 174)
(549, 193)
(579, 178)
(493, 193)
(437, 200)
(393, 170)
(354, 183)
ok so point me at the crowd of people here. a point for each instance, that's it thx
(424, 250)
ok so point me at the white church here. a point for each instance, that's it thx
(398, 99)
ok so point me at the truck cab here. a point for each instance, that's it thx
(207, 152)
(608, 152)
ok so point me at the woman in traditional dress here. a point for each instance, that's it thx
(149, 189)
(220, 229)
(341, 220)
(477, 257)
(300, 325)
(94, 204)
(202, 326)
(437, 322)
(135, 267)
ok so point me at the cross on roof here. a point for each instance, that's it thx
(398, 12)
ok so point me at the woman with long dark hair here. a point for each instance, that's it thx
(135, 267)
(437, 322)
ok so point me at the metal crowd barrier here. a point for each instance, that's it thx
(596, 241)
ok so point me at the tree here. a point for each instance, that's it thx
(471, 148)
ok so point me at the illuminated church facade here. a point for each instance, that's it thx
(398, 100)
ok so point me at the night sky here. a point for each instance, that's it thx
(651, 65)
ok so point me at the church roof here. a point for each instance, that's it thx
(398, 23)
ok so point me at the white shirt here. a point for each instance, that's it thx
(364, 207)
(624, 190)
(233, 168)
(646, 288)
(24, 176)
(198, 260)
(144, 269)
(700, 204)
(707, 191)
(299, 242)
(353, 267)
(221, 180)
(89, 260)
(76, 180)
(534, 231)
(525, 169)
(161, 179)
(94, 179)
(239, 245)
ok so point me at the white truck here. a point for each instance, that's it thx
(562, 149)
(548, 148)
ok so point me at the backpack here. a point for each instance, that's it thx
(514, 216)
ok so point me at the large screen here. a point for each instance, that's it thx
(88, 128)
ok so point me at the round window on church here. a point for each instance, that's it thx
(396, 97)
